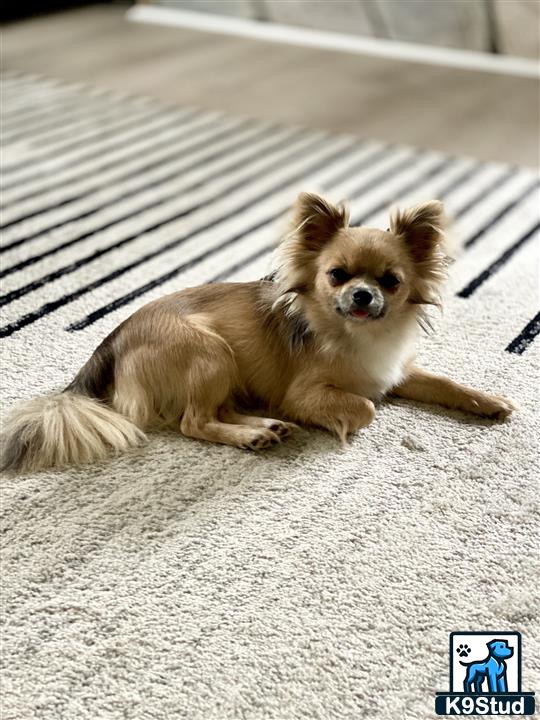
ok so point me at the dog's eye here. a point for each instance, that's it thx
(338, 276)
(388, 281)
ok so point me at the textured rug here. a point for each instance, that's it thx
(187, 580)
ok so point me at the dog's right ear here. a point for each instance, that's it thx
(315, 220)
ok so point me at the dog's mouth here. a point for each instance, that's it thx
(355, 313)
(361, 314)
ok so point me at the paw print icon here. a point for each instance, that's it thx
(463, 650)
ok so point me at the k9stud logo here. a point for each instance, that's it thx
(485, 676)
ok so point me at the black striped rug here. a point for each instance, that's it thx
(108, 201)
(196, 581)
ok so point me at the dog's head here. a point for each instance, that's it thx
(358, 275)
(499, 649)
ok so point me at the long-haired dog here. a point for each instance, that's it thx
(332, 330)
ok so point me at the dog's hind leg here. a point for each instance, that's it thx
(210, 379)
(281, 428)
(203, 423)
(177, 371)
(241, 436)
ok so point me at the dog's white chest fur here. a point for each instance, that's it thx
(381, 359)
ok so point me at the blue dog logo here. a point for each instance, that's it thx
(485, 676)
(492, 669)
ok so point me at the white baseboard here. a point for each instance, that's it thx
(307, 37)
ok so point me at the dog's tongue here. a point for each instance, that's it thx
(360, 313)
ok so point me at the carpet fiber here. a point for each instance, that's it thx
(187, 580)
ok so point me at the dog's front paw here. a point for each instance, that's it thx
(258, 439)
(491, 406)
(350, 420)
(282, 429)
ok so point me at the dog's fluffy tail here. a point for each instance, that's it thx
(63, 429)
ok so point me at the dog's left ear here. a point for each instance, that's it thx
(316, 220)
(421, 227)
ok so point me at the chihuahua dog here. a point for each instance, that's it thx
(333, 329)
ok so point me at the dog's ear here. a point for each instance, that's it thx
(315, 220)
(421, 228)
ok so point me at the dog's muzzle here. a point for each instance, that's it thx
(363, 302)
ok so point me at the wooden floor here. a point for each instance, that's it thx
(488, 116)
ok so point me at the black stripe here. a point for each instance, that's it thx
(504, 211)
(50, 307)
(32, 124)
(137, 292)
(363, 163)
(97, 153)
(31, 128)
(404, 189)
(41, 100)
(495, 266)
(86, 127)
(484, 192)
(34, 110)
(45, 129)
(43, 171)
(379, 178)
(200, 162)
(233, 268)
(52, 93)
(66, 269)
(125, 299)
(83, 140)
(356, 167)
(469, 172)
(370, 183)
(520, 343)
(43, 117)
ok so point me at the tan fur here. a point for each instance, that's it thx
(298, 345)
(422, 231)
(426, 387)
(64, 429)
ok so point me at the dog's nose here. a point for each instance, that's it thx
(362, 298)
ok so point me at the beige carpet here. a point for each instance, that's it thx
(188, 580)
